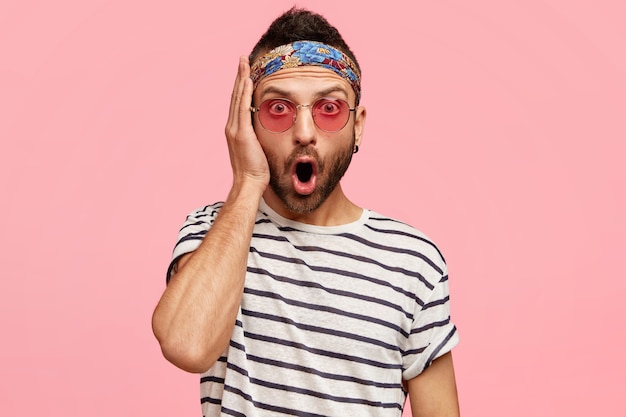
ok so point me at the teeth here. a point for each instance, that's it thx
(304, 172)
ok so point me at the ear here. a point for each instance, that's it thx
(359, 124)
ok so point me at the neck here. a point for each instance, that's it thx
(336, 210)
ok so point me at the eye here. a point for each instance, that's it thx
(328, 107)
(278, 107)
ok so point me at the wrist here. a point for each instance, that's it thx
(247, 188)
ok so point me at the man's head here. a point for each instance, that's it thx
(307, 117)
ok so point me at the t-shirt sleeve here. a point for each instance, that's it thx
(192, 232)
(433, 333)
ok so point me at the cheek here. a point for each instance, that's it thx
(275, 148)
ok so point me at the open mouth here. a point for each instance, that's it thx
(304, 175)
(304, 171)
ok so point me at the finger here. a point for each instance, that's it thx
(246, 94)
(235, 99)
(234, 93)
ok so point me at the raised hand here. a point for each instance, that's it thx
(247, 158)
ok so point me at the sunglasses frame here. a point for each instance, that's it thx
(298, 106)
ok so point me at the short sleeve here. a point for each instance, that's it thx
(192, 232)
(433, 333)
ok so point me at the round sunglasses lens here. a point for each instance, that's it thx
(331, 115)
(277, 115)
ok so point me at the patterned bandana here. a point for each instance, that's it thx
(307, 53)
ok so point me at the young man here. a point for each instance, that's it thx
(287, 297)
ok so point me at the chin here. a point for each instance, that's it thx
(301, 204)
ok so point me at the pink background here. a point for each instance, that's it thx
(498, 128)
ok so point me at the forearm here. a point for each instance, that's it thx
(196, 314)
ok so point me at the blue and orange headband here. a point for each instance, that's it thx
(307, 53)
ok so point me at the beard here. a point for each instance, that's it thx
(329, 172)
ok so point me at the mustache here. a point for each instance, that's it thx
(298, 153)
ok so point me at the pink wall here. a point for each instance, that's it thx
(499, 130)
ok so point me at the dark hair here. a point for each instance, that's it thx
(300, 25)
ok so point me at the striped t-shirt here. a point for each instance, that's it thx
(332, 319)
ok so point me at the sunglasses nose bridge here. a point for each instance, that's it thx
(298, 107)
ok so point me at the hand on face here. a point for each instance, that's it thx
(247, 158)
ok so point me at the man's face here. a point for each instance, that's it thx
(307, 163)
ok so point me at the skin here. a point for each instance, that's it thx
(328, 205)
(433, 392)
(195, 316)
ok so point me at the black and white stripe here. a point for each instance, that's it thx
(332, 319)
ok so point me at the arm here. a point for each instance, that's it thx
(194, 318)
(433, 392)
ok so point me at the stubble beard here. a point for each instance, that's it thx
(329, 174)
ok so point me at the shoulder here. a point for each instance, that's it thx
(193, 230)
(404, 240)
(400, 231)
(205, 214)
(198, 222)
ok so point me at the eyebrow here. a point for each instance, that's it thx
(277, 90)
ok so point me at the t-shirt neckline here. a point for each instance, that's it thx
(311, 228)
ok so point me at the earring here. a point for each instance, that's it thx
(356, 149)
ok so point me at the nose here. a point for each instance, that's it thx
(304, 129)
